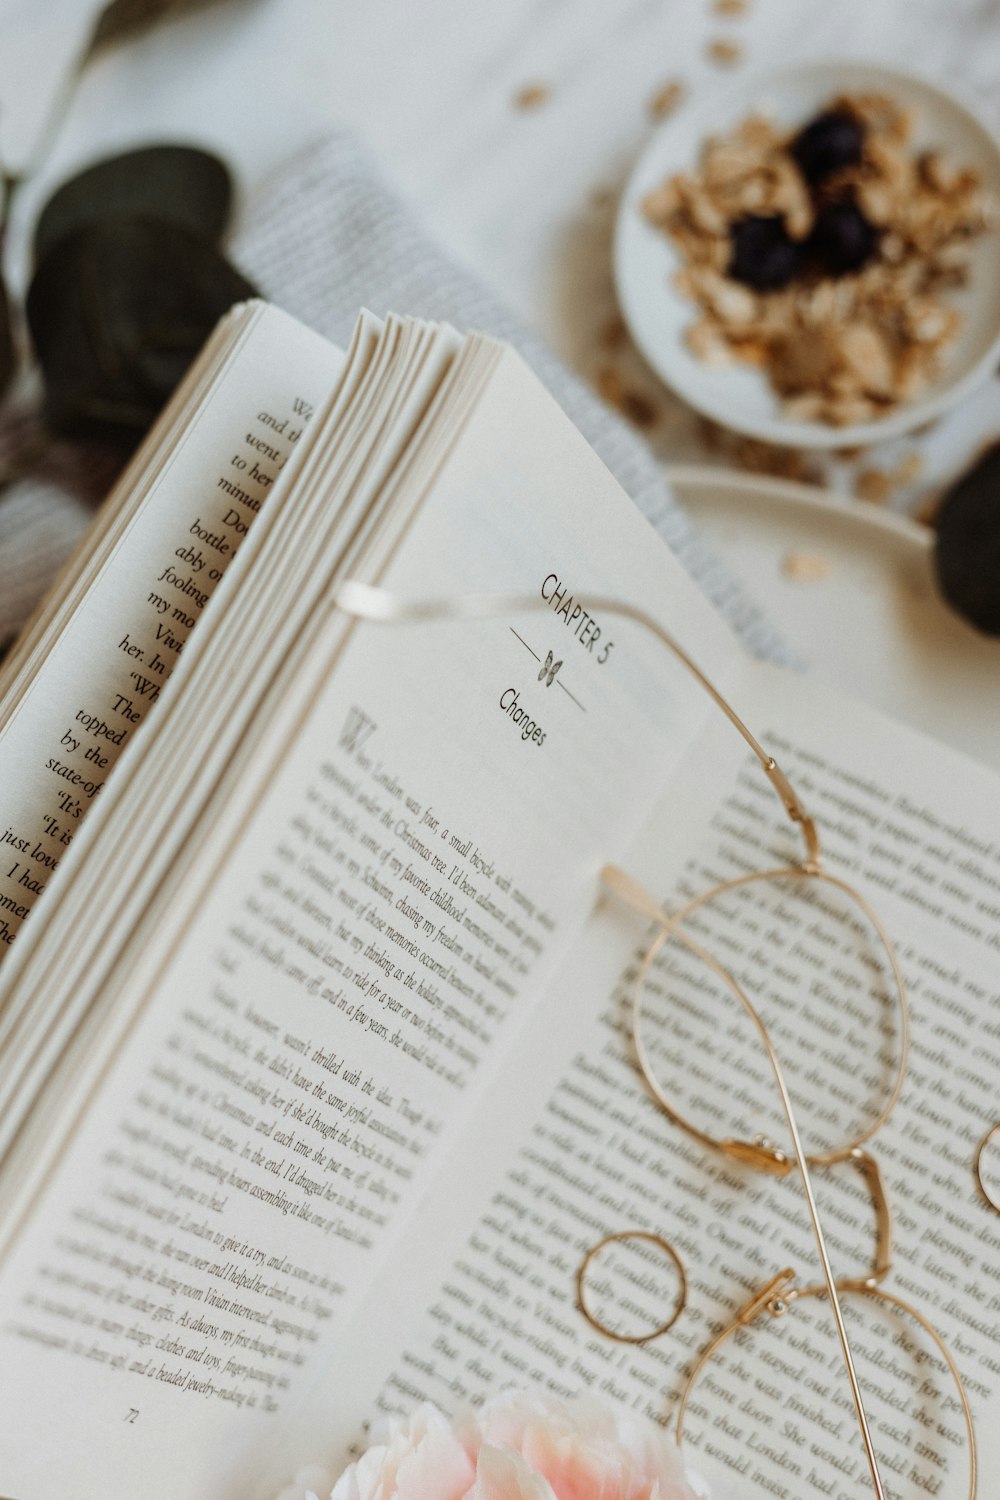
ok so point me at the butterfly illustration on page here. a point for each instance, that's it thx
(549, 670)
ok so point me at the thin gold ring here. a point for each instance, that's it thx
(620, 1237)
(977, 1167)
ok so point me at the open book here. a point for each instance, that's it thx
(317, 1080)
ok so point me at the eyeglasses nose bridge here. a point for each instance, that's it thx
(871, 1172)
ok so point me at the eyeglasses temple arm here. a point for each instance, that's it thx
(633, 894)
(368, 602)
(828, 1277)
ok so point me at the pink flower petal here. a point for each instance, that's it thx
(521, 1447)
(437, 1469)
(502, 1475)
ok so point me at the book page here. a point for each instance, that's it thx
(373, 945)
(571, 1146)
(116, 651)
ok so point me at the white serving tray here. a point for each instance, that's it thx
(874, 624)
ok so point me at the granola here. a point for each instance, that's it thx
(725, 52)
(532, 96)
(806, 567)
(666, 99)
(825, 255)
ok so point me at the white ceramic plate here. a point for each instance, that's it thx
(645, 260)
(870, 619)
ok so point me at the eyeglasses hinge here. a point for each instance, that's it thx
(774, 1297)
(761, 1154)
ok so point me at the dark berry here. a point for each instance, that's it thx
(967, 545)
(763, 255)
(831, 141)
(842, 239)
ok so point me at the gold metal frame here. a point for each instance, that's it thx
(977, 1168)
(759, 1154)
(778, 1296)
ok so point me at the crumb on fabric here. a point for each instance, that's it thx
(634, 405)
(725, 52)
(666, 99)
(806, 567)
(532, 96)
(877, 485)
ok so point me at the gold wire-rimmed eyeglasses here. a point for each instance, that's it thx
(377, 605)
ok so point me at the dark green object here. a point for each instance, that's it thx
(179, 185)
(121, 20)
(117, 312)
(967, 545)
(8, 353)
